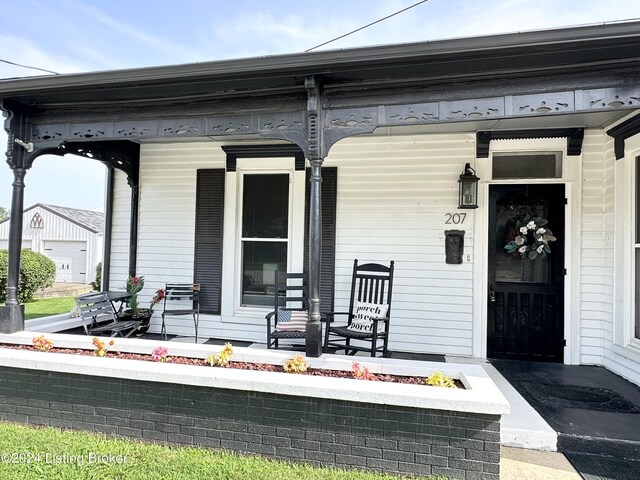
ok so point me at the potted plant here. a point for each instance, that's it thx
(134, 286)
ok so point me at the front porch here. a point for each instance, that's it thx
(385, 132)
(359, 154)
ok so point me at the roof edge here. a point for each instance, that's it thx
(51, 210)
(328, 58)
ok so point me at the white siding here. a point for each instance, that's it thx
(166, 229)
(393, 194)
(26, 243)
(120, 232)
(600, 263)
(621, 352)
(166, 234)
(594, 266)
(57, 228)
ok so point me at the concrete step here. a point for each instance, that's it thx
(590, 445)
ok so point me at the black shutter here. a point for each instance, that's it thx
(328, 266)
(208, 248)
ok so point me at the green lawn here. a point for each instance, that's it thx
(48, 306)
(65, 455)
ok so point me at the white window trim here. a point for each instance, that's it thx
(571, 175)
(232, 259)
(625, 221)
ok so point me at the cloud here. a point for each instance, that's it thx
(509, 16)
(264, 30)
(21, 50)
(171, 48)
(271, 33)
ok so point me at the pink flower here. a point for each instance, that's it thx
(361, 373)
(159, 295)
(159, 354)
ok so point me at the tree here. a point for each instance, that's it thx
(4, 213)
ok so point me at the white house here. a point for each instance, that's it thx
(209, 182)
(71, 237)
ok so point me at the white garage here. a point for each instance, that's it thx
(70, 258)
(71, 237)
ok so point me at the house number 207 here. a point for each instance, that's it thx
(455, 218)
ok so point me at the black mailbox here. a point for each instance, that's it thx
(453, 246)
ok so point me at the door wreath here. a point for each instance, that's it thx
(532, 238)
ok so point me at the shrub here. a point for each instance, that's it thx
(36, 272)
(98, 281)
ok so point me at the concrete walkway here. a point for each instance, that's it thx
(519, 464)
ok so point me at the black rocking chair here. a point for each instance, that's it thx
(368, 315)
(290, 312)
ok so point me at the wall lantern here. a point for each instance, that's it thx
(468, 185)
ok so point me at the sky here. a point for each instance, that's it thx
(69, 36)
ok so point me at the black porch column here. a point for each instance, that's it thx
(13, 313)
(15, 235)
(108, 230)
(19, 157)
(133, 231)
(313, 334)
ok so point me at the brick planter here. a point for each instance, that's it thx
(347, 423)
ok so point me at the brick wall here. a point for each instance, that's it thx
(317, 431)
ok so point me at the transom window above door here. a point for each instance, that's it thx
(506, 166)
(265, 235)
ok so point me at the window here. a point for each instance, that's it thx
(265, 235)
(637, 249)
(37, 221)
(526, 165)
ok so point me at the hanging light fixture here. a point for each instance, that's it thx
(468, 187)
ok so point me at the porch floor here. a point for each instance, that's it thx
(593, 410)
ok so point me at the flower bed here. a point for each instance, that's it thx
(332, 421)
(357, 372)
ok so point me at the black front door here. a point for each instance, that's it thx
(526, 280)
